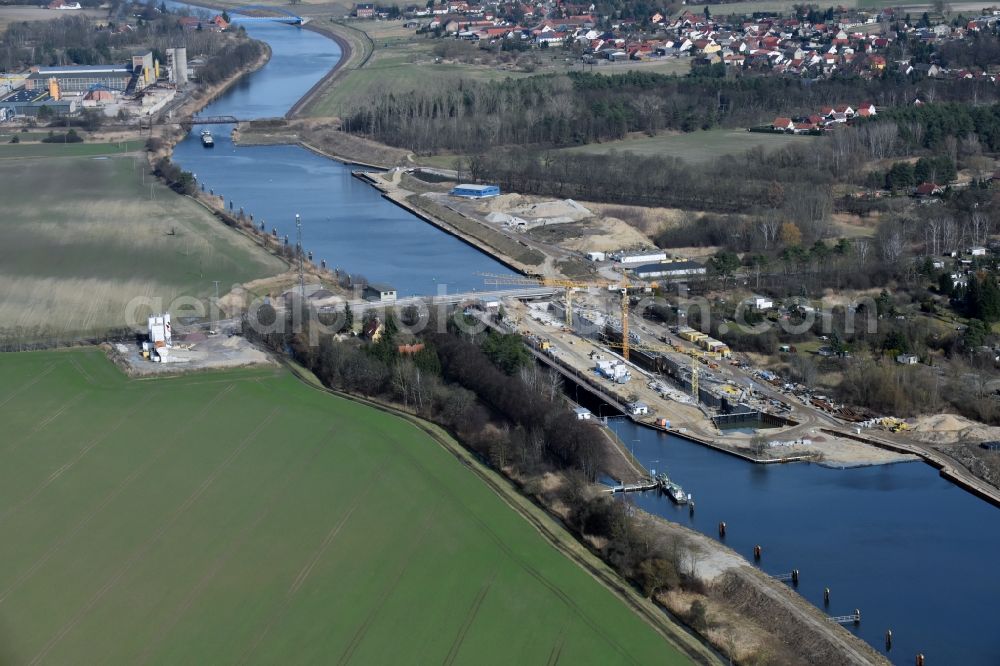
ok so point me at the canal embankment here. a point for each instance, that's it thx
(322, 137)
(355, 50)
(947, 467)
(514, 255)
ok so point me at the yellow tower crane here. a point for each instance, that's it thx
(569, 286)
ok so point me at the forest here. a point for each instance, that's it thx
(579, 108)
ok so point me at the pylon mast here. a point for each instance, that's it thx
(625, 339)
(299, 252)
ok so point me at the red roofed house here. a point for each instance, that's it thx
(928, 190)
(784, 124)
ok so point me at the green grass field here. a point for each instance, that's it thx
(399, 66)
(246, 517)
(38, 149)
(80, 237)
(696, 147)
(676, 66)
(18, 13)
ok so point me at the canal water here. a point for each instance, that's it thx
(913, 552)
(345, 221)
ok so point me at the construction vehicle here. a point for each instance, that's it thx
(628, 339)
(570, 286)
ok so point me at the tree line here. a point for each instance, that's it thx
(733, 185)
(484, 387)
(931, 125)
(579, 108)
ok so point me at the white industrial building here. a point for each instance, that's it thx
(760, 303)
(647, 257)
(159, 330)
(672, 269)
(177, 67)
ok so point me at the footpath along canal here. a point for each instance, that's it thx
(915, 553)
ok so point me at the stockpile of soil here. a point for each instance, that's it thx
(952, 429)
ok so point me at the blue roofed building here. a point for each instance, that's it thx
(475, 191)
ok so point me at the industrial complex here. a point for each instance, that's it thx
(139, 88)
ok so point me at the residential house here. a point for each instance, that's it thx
(928, 190)
(372, 329)
(783, 124)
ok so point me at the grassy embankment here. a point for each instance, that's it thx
(270, 522)
(696, 147)
(399, 61)
(83, 236)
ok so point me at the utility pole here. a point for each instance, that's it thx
(215, 306)
(298, 248)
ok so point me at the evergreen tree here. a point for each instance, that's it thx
(945, 284)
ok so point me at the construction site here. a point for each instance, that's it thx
(195, 346)
(677, 379)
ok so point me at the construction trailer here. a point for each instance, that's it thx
(691, 335)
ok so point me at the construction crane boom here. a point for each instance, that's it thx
(569, 286)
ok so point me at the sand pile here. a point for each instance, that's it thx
(566, 208)
(501, 204)
(952, 429)
(606, 235)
